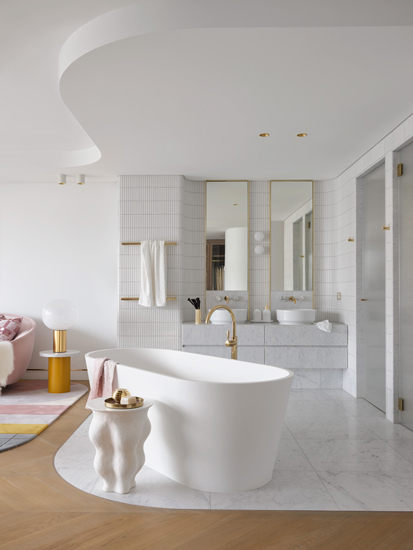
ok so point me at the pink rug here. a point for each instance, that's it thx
(27, 409)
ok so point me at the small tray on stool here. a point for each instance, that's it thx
(110, 403)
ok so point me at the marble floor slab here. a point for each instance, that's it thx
(335, 453)
(286, 491)
(373, 455)
(346, 427)
(369, 491)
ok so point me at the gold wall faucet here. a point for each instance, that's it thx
(230, 343)
(292, 299)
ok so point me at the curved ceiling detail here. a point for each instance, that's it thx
(166, 15)
(186, 87)
(39, 136)
(53, 160)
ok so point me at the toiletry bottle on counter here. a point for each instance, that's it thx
(256, 316)
(266, 314)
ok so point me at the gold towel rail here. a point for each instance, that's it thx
(166, 242)
(169, 298)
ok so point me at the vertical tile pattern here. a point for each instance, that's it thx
(150, 208)
(259, 271)
(194, 262)
(166, 208)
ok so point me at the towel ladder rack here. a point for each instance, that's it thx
(166, 242)
(169, 298)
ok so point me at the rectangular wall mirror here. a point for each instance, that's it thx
(292, 235)
(226, 227)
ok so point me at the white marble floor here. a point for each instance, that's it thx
(336, 453)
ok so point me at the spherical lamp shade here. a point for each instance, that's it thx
(259, 249)
(59, 315)
(259, 236)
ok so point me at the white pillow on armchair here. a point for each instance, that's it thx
(6, 362)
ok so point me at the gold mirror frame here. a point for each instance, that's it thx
(312, 181)
(248, 243)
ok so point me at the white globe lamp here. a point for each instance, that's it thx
(59, 315)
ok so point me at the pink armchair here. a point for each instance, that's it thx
(22, 348)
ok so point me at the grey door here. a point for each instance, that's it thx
(373, 288)
(405, 183)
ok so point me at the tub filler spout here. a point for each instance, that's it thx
(233, 342)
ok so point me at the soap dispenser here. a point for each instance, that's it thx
(266, 314)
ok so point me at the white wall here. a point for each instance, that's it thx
(61, 242)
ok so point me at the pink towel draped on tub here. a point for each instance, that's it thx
(102, 383)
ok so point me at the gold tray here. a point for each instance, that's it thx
(110, 403)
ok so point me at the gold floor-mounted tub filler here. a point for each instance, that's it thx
(230, 342)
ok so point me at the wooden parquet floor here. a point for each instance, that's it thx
(41, 511)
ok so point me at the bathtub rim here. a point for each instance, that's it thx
(289, 374)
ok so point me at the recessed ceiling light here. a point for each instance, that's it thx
(264, 135)
(302, 135)
(235, 204)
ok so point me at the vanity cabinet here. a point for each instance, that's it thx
(317, 358)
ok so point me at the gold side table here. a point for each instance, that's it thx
(59, 369)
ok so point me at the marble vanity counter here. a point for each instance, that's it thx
(304, 335)
(261, 334)
(317, 358)
(249, 334)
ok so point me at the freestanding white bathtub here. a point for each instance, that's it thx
(216, 423)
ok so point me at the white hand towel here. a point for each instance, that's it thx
(153, 274)
(326, 326)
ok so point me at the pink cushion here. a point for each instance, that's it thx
(9, 328)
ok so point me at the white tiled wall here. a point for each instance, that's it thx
(166, 208)
(259, 264)
(193, 278)
(150, 207)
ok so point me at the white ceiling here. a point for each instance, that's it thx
(186, 86)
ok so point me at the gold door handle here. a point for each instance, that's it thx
(386, 227)
(364, 299)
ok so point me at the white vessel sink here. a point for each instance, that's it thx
(223, 317)
(296, 316)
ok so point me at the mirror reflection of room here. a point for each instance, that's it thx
(227, 235)
(292, 235)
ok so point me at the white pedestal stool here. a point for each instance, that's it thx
(118, 436)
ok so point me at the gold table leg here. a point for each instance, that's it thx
(59, 374)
